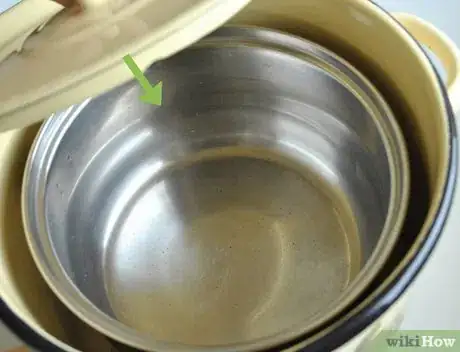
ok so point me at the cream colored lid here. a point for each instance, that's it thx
(51, 59)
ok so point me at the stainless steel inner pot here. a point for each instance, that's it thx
(256, 203)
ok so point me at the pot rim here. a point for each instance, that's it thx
(370, 309)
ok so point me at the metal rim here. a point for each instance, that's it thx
(48, 140)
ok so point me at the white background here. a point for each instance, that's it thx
(434, 301)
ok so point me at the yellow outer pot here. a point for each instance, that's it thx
(383, 49)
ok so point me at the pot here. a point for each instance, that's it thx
(423, 112)
(247, 191)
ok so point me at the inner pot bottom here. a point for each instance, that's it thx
(234, 245)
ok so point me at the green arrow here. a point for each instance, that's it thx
(152, 94)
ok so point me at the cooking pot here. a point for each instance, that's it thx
(423, 111)
(247, 191)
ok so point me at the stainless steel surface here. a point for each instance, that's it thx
(255, 204)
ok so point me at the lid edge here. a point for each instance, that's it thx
(114, 72)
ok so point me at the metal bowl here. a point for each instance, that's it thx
(255, 204)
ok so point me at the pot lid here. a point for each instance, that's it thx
(51, 58)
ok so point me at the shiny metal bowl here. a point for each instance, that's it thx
(255, 204)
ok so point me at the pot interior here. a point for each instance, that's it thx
(247, 191)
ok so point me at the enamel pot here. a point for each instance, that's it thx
(387, 49)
